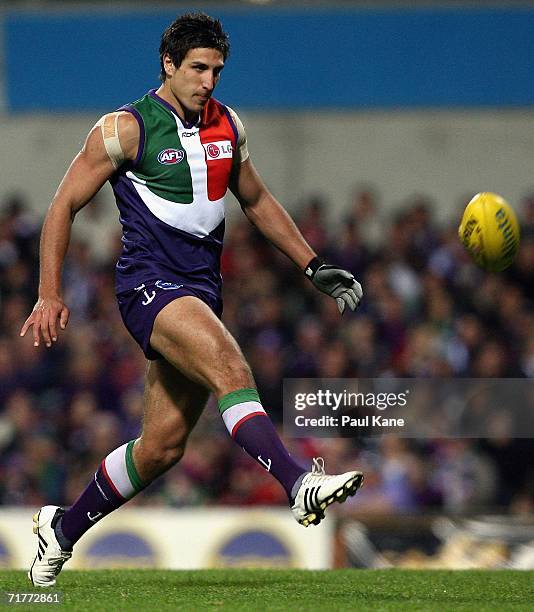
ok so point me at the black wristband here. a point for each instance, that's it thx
(313, 266)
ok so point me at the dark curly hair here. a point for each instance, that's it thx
(192, 31)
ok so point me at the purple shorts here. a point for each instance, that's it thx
(139, 308)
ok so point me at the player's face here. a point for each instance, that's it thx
(193, 82)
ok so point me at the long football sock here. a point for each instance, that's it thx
(115, 482)
(248, 424)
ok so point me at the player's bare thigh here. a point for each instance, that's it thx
(189, 335)
(173, 405)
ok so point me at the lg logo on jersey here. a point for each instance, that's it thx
(218, 150)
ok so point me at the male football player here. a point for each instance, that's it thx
(171, 157)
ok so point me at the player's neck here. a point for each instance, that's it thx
(166, 94)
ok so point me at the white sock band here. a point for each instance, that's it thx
(119, 469)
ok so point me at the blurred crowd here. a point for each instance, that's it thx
(427, 312)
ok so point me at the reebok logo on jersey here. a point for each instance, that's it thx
(170, 156)
(218, 150)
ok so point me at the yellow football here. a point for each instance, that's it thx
(490, 232)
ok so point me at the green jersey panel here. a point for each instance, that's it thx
(163, 166)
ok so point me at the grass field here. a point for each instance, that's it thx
(361, 590)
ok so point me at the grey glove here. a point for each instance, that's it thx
(336, 282)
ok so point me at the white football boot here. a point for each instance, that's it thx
(318, 490)
(50, 557)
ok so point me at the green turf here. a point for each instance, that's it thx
(361, 590)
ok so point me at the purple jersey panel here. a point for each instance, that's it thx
(153, 250)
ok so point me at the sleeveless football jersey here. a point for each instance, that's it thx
(171, 198)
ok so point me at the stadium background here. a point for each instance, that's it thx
(373, 124)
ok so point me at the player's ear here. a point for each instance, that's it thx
(168, 65)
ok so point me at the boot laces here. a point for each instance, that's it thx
(318, 466)
(318, 475)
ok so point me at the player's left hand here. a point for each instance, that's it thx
(336, 282)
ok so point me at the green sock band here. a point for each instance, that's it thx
(134, 477)
(237, 397)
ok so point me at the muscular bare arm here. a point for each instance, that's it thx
(89, 170)
(268, 215)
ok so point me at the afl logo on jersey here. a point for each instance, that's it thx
(170, 156)
(218, 150)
